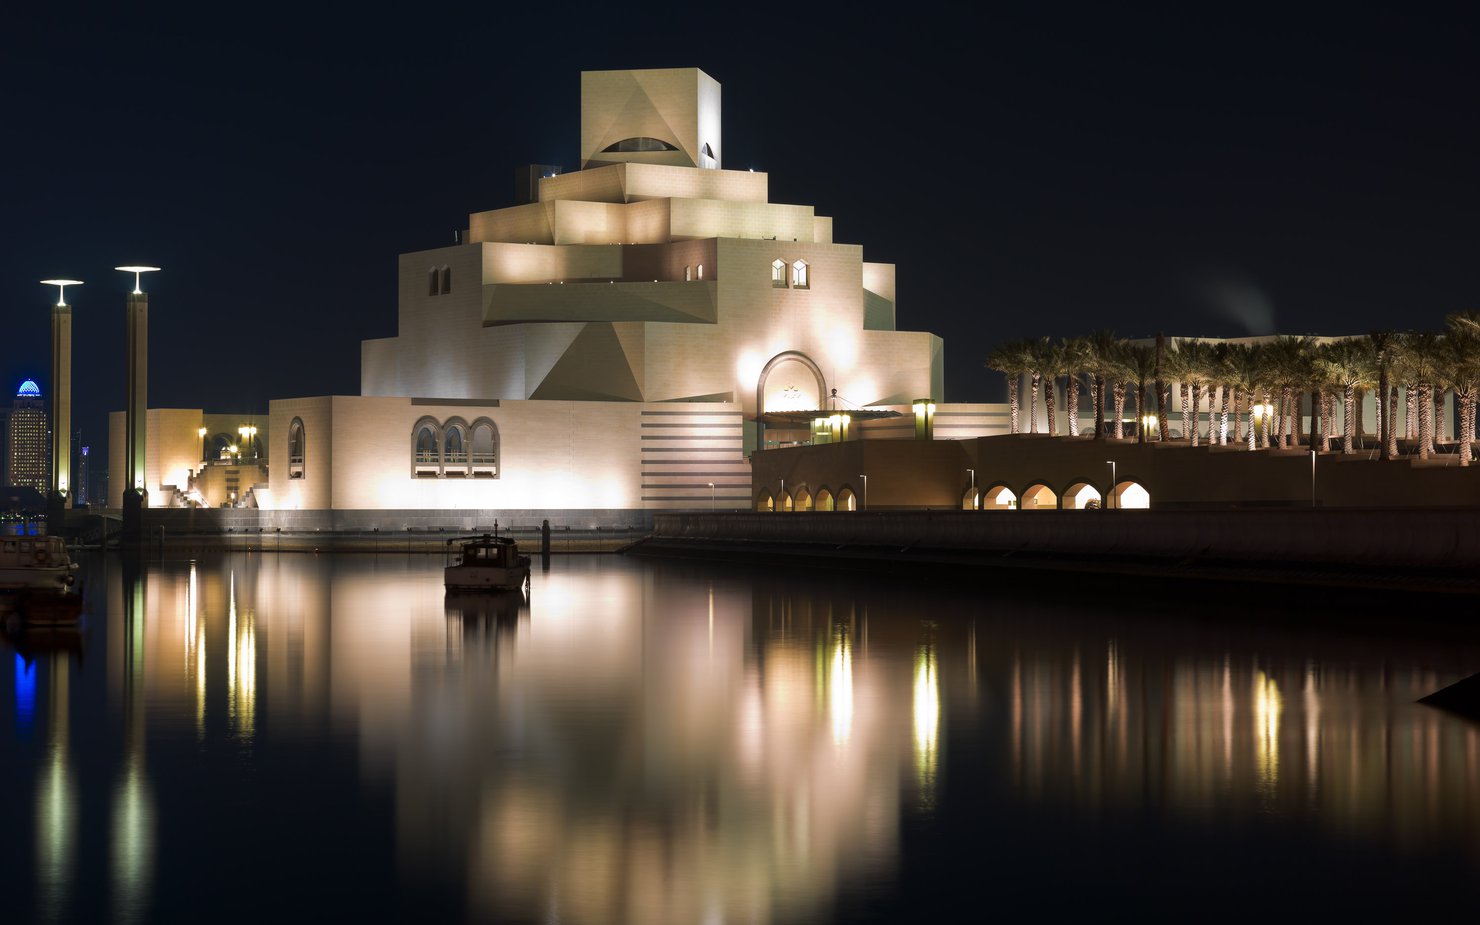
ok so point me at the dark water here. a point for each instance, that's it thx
(319, 738)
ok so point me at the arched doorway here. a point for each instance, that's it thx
(784, 502)
(1039, 497)
(1131, 495)
(970, 500)
(847, 501)
(998, 498)
(803, 501)
(764, 503)
(824, 500)
(1081, 496)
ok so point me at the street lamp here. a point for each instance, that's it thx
(972, 472)
(865, 491)
(1110, 498)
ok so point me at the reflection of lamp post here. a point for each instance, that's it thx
(865, 491)
(972, 473)
(1110, 498)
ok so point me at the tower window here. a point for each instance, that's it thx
(688, 274)
(701, 271)
(446, 280)
(799, 276)
(432, 281)
(778, 274)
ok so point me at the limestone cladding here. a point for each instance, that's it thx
(551, 454)
(678, 106)
(172, 452)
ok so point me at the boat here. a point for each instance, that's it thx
(487, 562)
(35, 563)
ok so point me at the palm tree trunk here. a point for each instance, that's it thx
(1328, 412)
(1185, 415)
(1316, 430)
(1425, 442)
(1382, 402)
(1391, 447)
(1033, 404)
(1238, 415)
(1012, 400)
(1071, 404)
(1410, 424)
(1098, 384)
(1141, 411)
(1346, 420)
(1253, 431)
(1223, 419)
(1361, 421)
(1164, 405)
(1119, 392)
(1463, 399)
(1441, 401)
(1050, 385)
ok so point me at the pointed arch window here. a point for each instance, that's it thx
(433, 281)
(483, 458)
(800, 275)
(295, 449)
(426, 449)
(446, 280)
(688, 274)
(778, 274)
(700, 271)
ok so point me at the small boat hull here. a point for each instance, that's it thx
(486, 577)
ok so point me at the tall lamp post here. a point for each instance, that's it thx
(136, 409)
(711, 496)
(865, 491)
(60, 496)
(1110, 498)
(972, 473)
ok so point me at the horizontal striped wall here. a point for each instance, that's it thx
(684, 450)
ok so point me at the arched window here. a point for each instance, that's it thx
(483, 458)
(446, 280)
(455, 449)
(764, 503)
(701, 271)
(295, 449)
(432, 281)
(803, 500)
(426, 449)
(778, 274)
(824, 500)
(799, 277)
(688, 274)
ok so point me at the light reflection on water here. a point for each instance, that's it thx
(663, 743)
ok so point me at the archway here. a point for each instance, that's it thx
(803, 501)
(970, 500)
(847, 501)
(790, 381)
(1081, 496)
(764, 503)
(1131, 495)
(825, 500)
(999, 497)
(1039, 497)
(785, 501)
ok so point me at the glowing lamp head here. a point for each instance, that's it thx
(137, 271)
(61, 285)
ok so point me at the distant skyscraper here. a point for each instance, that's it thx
(29, 461)
(80, 476)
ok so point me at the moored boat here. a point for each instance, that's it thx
(487, 562)
(35, 563)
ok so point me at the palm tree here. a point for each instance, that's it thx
(1346, 363)
(1246, 374)
(1221, 373)
(1103, 348)
(1289, 369)
(1421, 349)
(1460, 363)
(1383, 349)
(1194, 358)
(1140, 363)
(1013, 359)
(1163, 390)
(1045, 367)
(1073, 357)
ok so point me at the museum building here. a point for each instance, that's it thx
(621, 339)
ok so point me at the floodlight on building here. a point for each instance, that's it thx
(137, 271)
(61, 285)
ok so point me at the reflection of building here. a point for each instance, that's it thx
(28, 456)
(618, 340)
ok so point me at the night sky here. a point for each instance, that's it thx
(1049, 171)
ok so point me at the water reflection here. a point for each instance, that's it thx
(645, 743)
